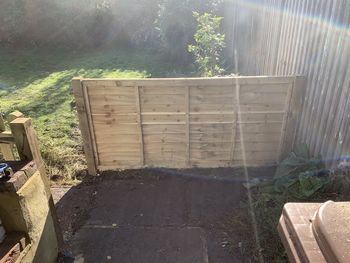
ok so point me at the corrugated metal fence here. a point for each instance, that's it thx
(306, 37)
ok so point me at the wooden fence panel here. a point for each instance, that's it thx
(193, 122)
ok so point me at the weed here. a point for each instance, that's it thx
(298, 178)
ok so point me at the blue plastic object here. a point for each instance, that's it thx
(5, 170)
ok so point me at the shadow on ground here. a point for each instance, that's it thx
(151, 215)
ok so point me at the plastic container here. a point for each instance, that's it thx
(316, 232)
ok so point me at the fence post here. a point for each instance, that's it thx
(293, 117)
(27, 142)
(14, 115)
(6, 148)
(28, 149)
(84, 125)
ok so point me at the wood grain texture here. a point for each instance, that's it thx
(27, 142)
(189, 122)
(84, 125)
(6, 148)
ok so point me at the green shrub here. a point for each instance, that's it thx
(298, 178)
(209, 43)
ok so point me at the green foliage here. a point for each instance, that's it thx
(298, 178)
(299, 175)
(37, 83)
(167, 26)
(209, 43)
(176, 25)
(76, 23)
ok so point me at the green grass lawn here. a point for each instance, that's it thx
(37, 83)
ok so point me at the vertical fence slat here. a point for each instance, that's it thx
(139, 123)
(90, 123)
(234, 122)
(292, 116)
(84, 125)
(187, 105)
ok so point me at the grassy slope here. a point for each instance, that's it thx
(37, 83)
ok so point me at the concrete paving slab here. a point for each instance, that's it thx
(142, 244)
(164, 218)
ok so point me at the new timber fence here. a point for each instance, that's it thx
(190, 122)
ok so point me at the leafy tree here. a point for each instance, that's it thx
(176, 25)
(209, 43)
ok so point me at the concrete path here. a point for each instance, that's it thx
(158, 219)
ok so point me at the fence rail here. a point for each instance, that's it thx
(187, 122)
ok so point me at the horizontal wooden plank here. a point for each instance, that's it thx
(154, 118)
(111, 157)
(211, 137)
(119, 147)
(160, 82)
(165, 156)
(211, 117)
(226, 137)
(106, 165)
(265, 128)
(217, 81)
(111, 99)
(261, 107)
(166, 90)
(253, 163)
(257, 146)
(210, 155)
(234, 163)
(262, 80)
(207, 91)
(256, 117)
(160, 147)
(211, 146)
(119, 138)
(265, 88)
(163, 107)
(114, 119)
(101, 130)
(164, 137)
(226, 146)
(256, 156)
(212, 99)
(210, 163)
(166, 164)
(212, 128)
(162, 99)
(258, 137)
(125, 164)
(112, 109)
(99, 89)
(211, 107)
(163, 128)
(119, 165)
(262, 98)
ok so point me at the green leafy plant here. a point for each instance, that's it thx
(298, 178)
(209, 43)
